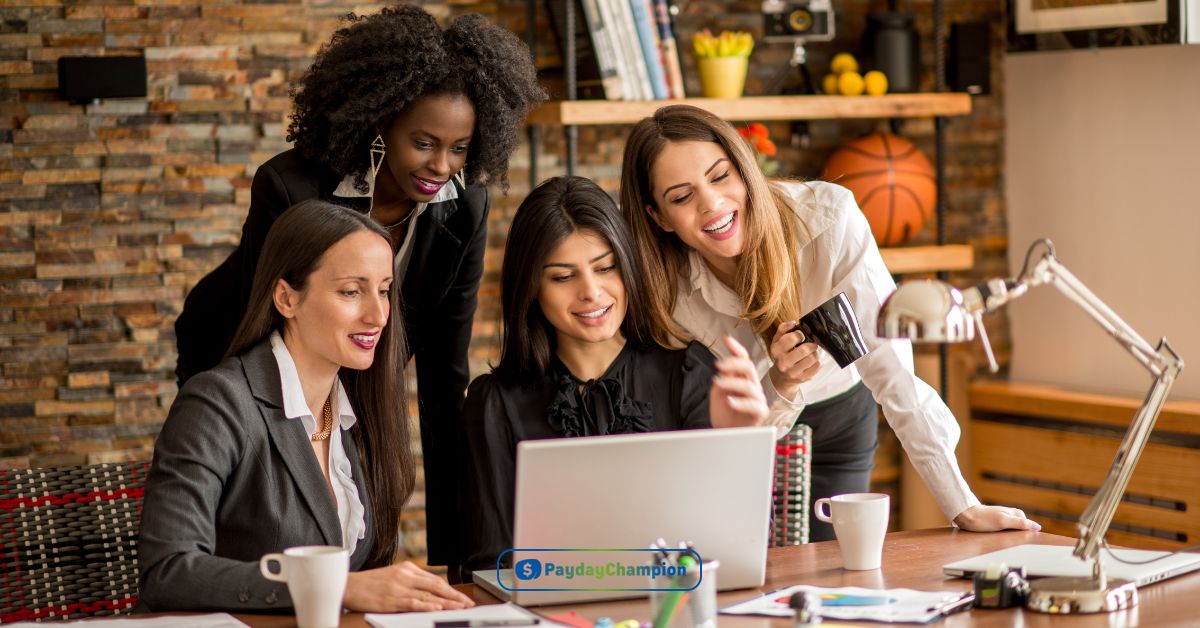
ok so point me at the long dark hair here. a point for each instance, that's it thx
(557, 208)
(376, 66)
(294, 248)
(768, 277)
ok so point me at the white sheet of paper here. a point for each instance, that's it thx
(214, 620)
(482, 612)
(855, 604)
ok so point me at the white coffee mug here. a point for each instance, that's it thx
(860, 521)
(316, 579)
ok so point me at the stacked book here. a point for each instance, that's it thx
(624, 49)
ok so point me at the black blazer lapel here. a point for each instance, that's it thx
(436, 255)
(291, 441)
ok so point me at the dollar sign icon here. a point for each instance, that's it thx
(528, 569)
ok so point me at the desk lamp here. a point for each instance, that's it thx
(934, 311)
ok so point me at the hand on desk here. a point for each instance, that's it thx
(736, 398)
(401, 587)
(994, 518)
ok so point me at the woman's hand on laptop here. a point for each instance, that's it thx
(736, 398)
(401, 587)
(994, 518)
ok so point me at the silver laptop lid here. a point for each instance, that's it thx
(1057, 560)
(710, 487)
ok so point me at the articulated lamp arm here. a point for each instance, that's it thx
(933, 311)
(1162, 362)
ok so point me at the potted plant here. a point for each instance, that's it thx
(758, 137)
(723, 61)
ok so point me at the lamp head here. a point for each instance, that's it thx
(926, 310)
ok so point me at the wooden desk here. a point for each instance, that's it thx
(911, 560)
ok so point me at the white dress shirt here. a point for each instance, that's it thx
(837, 253)
(350, 509)
(346, 189)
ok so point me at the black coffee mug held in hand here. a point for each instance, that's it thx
(833, 326)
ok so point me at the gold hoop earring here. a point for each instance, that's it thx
(461, 177)
(378, 150)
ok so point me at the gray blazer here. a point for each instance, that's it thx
(234, 479)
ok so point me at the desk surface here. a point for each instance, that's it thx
(910, 560)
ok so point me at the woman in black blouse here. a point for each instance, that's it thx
(577, 357)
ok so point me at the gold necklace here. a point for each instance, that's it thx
(405, 219)
(327, 428)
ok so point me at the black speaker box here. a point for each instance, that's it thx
(968, 66)
(84, 79)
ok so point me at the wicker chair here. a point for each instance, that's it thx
(68, 541)
(793, 468)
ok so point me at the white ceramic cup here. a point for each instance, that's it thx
(860, 521)
(316, 579)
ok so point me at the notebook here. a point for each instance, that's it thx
(1057, 560)
(710, 487)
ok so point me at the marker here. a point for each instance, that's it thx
(485, 623)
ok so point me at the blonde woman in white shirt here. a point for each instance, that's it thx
(730, 253)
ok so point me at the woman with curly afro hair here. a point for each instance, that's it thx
(407, 122)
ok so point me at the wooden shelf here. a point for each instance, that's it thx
(760, 108)
(923, 259)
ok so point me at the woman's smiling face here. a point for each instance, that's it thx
(427, 143)
(582, 293)
(701, 198)
(335, 321)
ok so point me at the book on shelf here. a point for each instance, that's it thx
(624, 49)
(647, 32)
(596, 73)
(668, 49)
(629, 52)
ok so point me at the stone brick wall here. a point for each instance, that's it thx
(110, 212)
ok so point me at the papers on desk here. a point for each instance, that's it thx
(214, 620)
(859, 604)
(484, 612)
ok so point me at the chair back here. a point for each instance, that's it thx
(68, 540)
(793, 469)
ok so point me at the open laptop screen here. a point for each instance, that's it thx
(709, 487)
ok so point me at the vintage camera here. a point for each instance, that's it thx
(789, 20)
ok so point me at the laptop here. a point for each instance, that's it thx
(709, 487)
(1057, 560)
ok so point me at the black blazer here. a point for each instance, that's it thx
(439, 294)
(233, 479)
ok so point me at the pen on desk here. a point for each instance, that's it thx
(485, 623)
(961, 604)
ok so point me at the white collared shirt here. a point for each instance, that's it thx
(838, 254)
(346, 189)
(350, 509)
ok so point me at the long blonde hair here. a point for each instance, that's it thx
(768, 272)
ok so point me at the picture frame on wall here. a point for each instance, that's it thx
(1066, 24)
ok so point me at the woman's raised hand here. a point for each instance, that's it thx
(795, 361)
(401, 587)
(736, 398)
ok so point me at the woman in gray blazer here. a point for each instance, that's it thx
(298, 437)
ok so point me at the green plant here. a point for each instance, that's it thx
(727, 44)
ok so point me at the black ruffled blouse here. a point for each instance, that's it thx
(643, 390)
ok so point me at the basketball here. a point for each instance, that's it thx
(892, 181)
